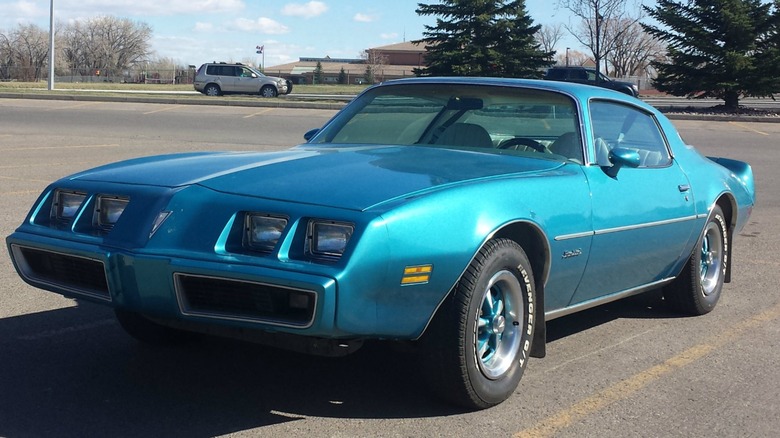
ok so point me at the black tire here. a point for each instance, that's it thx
(289, 86)
(477, 346)
(697, 289)
(268, 91)
(212, 90)
(149, 332)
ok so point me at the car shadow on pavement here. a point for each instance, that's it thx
(74, 372)
(646, 305)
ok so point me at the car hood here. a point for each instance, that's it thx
(349, 177)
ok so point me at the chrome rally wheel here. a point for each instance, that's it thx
(498, 336)
(477, 345)
(697, 289)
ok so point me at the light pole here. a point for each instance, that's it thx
(51, 45)
(567, 57)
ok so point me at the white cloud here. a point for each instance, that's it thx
(27, 9)
(305, 10)
(389, 36)
(203, 27)
(150, 7)
(363, 18)
(262, 25)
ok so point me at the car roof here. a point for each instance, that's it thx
(580, 92)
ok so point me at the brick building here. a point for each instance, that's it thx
(388, 62)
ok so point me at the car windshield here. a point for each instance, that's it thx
(486, 118)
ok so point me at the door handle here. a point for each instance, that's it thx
(683, 187)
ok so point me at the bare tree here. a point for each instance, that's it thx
(592, 31)
(24, 52)
(633, 52)
(374, 61)
(106, 43)
(6, 56)
(575, 58)
(549, 36)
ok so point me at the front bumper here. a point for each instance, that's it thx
(181, 289)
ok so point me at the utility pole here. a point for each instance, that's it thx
(51, 45)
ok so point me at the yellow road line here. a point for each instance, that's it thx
(20, 192)
(11, 178)
(76, 105)
(258, 113)
(163, 109)
(628, 387)
(742, 125)
(109, 145)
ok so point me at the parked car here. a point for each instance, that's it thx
(458, 213)
(215, 79)
(586, 75)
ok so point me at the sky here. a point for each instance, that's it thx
(198, 31)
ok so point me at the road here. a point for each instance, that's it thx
(630, 368)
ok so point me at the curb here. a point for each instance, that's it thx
(267, 103)
(671, 112)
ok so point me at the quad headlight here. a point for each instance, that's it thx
(328, 238)
(263, 231)
(108, 209)
(66, 205)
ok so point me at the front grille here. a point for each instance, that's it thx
(244, 300)
(73, 273)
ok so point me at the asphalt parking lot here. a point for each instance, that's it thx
(630, 368)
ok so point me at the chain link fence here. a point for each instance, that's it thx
(129, 76)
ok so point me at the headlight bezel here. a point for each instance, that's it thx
(270, 228)
(328, 239)
(108, 210)
(62, 214)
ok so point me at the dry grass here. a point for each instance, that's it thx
(112, 86)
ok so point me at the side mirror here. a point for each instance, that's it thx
(622, 157)
(254, 75)
(309, 134)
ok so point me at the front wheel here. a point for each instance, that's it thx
(268, 91)
(697, 290)
(478, 344)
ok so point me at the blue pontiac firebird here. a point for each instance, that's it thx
(458, 213)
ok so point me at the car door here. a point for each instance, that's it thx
(224, 75)
(643, 216)
(246, 80)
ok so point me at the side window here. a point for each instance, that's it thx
(246, 73)
(618, 125)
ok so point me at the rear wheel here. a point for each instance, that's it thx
(478, 344)
(697, 290)
(212, 90)
(268, 91)
(150, 332)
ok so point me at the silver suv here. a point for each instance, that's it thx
(217, 78)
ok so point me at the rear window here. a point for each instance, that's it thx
(221, 70)
(556, 73)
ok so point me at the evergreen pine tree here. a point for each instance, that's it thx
(717, 48)
(482, 38)
(318, 74)
(342, 76)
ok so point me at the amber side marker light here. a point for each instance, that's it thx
(417, 274)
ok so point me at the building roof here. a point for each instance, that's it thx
(406, 46)
(331, 66)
